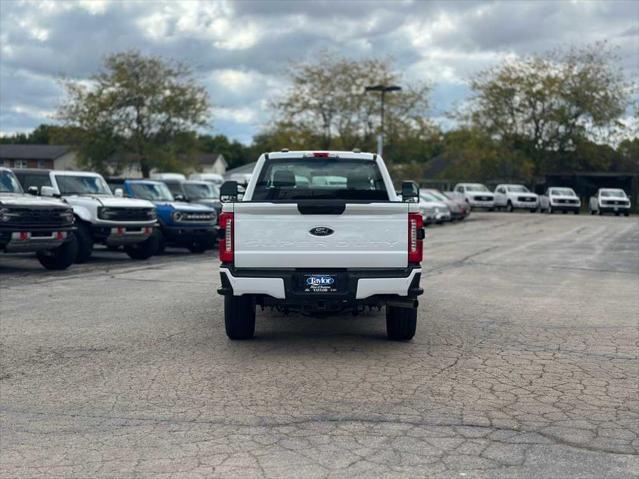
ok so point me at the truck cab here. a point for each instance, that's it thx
(301, 243)
(183, 225)
(29, 224)
(100, 216)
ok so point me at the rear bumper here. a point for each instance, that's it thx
(361, 286)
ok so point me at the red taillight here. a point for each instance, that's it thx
(320, 154)
(415, 242)
(226, 243)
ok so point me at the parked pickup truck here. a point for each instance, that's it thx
(476, 195)
(513, 197)
(559, 199)
(300, 243)
(100, 216)
(29, 224)
(183, 225)
(609, 200)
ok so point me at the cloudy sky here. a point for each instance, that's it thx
(239, 50)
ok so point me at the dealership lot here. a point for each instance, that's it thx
(525, 364)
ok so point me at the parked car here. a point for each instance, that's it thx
(184, 225)
(476, 195)
(29, 224)
(321, 248)
(458, 210)
(609, 200)
(463, 205)
(559, 199)
(214, 178)
(433, 210)
(514, 197)
(200, 192)
(100, 216)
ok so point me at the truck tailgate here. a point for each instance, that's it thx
(277, 235)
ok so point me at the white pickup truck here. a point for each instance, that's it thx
(300, 243)
(609, 200)
(475, 194)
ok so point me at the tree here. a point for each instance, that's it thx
(41, 135)
(628, 159)
(328, 105)
(234, 152)
(141, 106)
(473, 154)
(545, 105)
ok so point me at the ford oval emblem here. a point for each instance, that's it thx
(321, 231)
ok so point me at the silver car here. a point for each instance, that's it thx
(433, 210)
(458, 209)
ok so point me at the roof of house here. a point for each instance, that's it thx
(210, 158)
(247, 168)
(33, 152)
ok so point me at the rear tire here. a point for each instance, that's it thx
(626, 213)
(509, 207)
(239, 317)
(85, 243)
(61, 257)
(576, 212)
(401, 323)
(144, 249)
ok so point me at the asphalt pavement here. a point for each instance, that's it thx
(525, 364)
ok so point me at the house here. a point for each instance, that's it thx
(124, 165)
(211, 163)
(58, 157)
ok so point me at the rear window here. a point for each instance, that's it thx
(320, 178)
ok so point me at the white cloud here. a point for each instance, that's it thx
(239, 115)
(240, 49)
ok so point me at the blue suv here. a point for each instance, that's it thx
(185, 225)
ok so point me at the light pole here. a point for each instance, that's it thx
(383, 89)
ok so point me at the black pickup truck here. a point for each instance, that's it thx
(33, 224)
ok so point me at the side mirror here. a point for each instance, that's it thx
(119, 192)
(47, 191)
(33, 190)
(179, 197)
(229, 191)
(410, 192)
